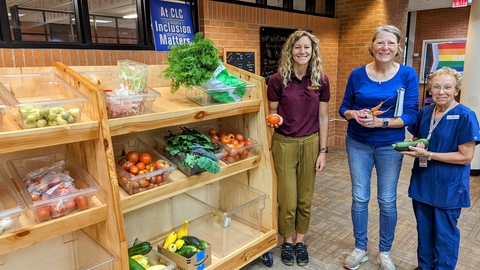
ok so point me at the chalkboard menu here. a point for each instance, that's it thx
(271, 44)
(241, 58)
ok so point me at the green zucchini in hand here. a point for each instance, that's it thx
(403, 146)
(139, 249)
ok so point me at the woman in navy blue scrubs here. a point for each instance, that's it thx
(440, 181)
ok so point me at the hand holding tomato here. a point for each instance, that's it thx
(274, 120)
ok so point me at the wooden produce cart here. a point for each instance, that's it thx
(88, 141)
(148, 215)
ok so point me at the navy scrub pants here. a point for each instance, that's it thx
(438, 236)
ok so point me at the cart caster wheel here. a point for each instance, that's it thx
(268, 259)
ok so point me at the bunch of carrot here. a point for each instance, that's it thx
(375, 110)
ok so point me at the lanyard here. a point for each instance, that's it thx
(434, 125)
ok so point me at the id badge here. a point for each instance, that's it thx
(422, 162)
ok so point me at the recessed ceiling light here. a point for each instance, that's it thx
(130, 16)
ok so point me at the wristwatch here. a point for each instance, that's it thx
(324, 150)
(385, 123)
(430, 156)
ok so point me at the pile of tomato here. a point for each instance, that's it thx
(135, 164)
(237, 145)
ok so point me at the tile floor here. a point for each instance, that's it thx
(330, 236)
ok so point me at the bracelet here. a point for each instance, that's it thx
(430, 156)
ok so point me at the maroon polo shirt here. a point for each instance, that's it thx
(298, 103)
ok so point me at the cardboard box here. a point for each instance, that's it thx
(199, 261)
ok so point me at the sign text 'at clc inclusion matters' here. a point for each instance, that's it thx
(172, 24)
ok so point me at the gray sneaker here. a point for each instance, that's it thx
(353, 260)
(385, 261)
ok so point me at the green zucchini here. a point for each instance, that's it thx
(191, 240)
(139, 249)
(187, 251)
(134, 265)
(403, 146)
(203, 244)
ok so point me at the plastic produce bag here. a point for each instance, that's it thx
(133, 76)
(225, 87)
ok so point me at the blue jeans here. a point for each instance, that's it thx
(388, 162)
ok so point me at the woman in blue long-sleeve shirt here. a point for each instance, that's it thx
(370, 136)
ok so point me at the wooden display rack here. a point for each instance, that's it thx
(116, 216)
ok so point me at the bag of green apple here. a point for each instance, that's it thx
(225, 87)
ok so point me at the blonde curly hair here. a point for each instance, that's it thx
(286, 60)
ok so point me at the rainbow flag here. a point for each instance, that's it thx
(451, 54)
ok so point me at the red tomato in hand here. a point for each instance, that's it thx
(145, 158)
(273, 119)
(82, 202)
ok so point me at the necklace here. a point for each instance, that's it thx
(433, 123)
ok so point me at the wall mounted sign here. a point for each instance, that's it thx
(442, 53)
(241, 58)
(171, 23)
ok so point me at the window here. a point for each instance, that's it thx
(319, 7)
(84, 24)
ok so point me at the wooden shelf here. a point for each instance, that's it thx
(31, 232)
(14, 138)
(180, 183)
(175, 109)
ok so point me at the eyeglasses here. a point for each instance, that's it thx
(381, 44)
(447, 87)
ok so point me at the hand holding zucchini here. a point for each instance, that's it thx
(403, 146)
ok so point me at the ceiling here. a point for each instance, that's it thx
(416, 5)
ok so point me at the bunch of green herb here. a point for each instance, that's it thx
(191, 64)
(197, 147)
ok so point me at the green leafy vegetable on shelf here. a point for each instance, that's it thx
(197, 148)
(191, 64)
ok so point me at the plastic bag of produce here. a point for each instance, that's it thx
(225, 87)
(133, 76)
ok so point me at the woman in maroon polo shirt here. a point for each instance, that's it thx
(299, 94)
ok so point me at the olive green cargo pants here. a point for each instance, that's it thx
(294, 160)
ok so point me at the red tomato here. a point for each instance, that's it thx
(70, 205)
(134, 169)
(57, 210)
(43, 214)
(212, 131)
(132, 156)
(145, 158)
(273, 119)
(140, 166)
(239, 137)
(82, 202)
(221, 133)
(225, 139)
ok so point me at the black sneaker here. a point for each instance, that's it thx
(287, 254)
(301, 253)
(418, 268)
